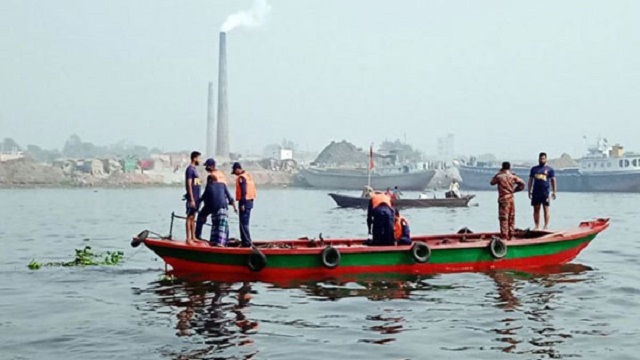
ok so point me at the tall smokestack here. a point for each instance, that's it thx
(211, 123)
(222, 143)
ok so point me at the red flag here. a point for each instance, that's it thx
(371, 166)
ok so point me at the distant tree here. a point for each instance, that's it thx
(139, 151)
(8, 144)
(35, 151)
(271, 151)
(288, 144)
(73, 147)
(42, 155)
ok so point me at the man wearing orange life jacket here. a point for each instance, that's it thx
(401, 230)
(219, 175)
(245, 194)
(380, 220)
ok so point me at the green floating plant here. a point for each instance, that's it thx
(34, 265)
(85, 257)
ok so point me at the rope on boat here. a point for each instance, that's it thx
(127, 258)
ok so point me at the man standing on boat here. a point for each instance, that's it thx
(216, 199)
(213, 170)
(508, 184)
(192, 184)
(541, 179)
(380, 220)
(245, 195)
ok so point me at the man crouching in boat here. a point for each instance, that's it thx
(401, 230)
(508, 184)
(380, 220)
(216, 199)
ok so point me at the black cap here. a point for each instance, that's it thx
(236, 165)
(210, 162)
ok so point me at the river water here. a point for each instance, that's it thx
(588, 309)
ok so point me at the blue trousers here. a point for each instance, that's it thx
(200, 220)
(382, 229)
(404, 241)
(245, 235)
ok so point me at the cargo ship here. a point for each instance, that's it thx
(604, 169)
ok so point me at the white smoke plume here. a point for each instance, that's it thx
(254, 17)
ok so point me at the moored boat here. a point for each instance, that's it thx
(327, 258)
(604, 169)
(362, 203)
(352, 179)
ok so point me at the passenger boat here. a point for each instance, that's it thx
(346, 201)
(320, 258)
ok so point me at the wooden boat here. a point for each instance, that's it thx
(346, 201)
(328, 258)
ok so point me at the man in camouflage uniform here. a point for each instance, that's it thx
(508, 184)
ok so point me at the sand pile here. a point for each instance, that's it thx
(27, 172)
(342, 153)
(564, 161)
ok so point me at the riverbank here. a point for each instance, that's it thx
(25, 173)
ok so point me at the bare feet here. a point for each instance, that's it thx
(202, 243)
(198, 243)
(546, 227)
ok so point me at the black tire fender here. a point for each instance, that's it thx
(330, 257)
(256, 260)
(497, 248)
(140, 238)
(420, 252)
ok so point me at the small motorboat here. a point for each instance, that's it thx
(346, 201)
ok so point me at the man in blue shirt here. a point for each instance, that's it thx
(542, 179)
(216, 199)
(192, 184)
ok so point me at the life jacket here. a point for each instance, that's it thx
(398, 228)
(378, 199)
(251, 187)
(219, 176)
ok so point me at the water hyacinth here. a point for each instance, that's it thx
(85, 257)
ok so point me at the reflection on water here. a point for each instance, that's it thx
(542, 334)
(216, 317)
(215, 313)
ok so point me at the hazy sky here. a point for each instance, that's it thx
(508, 77)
